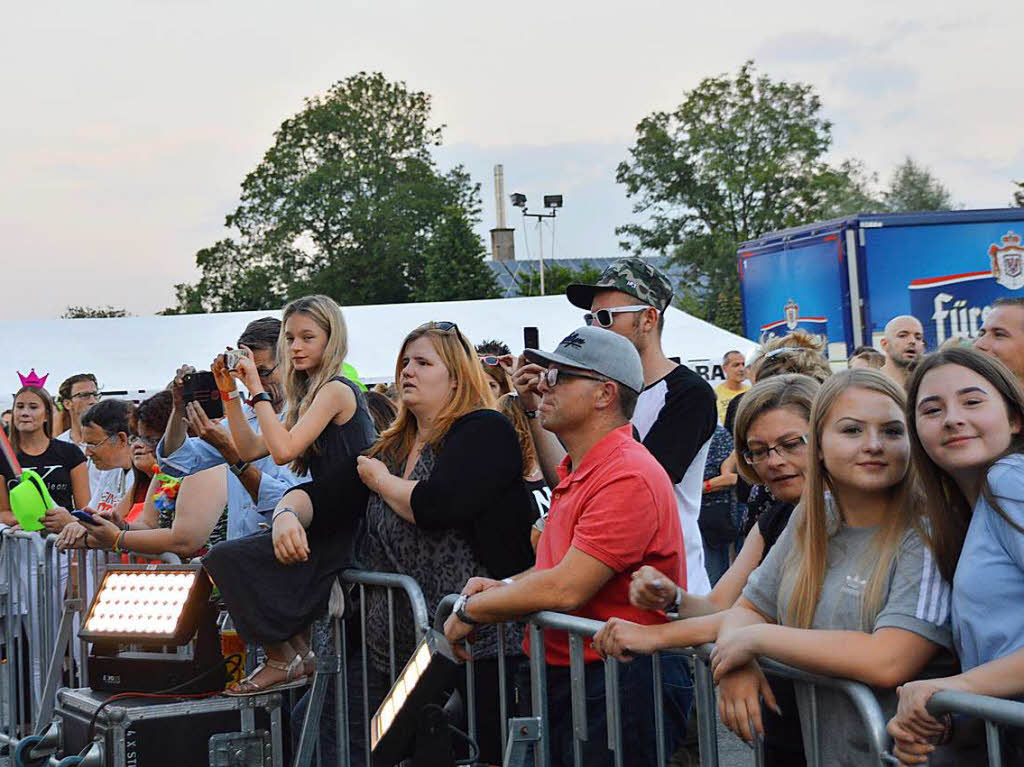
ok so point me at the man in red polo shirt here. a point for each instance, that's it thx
(612, 512)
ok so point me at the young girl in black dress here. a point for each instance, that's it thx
(275, 583)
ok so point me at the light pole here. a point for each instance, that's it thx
(552, 202)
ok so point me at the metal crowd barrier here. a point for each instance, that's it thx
(334, 663)
(43, 595)
(998, 715)
(531, 733)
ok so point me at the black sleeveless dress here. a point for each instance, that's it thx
(269, 601)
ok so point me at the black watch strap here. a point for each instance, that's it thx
(261, 397)
(238, 468)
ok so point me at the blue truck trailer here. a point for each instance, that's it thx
(844, 279)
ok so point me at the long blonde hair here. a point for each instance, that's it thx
(300, 388)
(804, 569)
(471, 392)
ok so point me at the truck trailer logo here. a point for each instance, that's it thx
(955, 305)
(1008, 262)
(817, 327)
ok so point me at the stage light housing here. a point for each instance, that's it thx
(518, 200)
(552, 201)
(428, 674)
(147, 604)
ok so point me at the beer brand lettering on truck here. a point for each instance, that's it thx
(946, 268)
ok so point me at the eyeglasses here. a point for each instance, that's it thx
(605, 317)
(552, 376)
(87, 395)
(265, 373)
(793, 446)
(101, 443)
(492, 361)
(139, 439)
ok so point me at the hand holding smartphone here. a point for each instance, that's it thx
(85, 517)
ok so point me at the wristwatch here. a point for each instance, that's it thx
(261, 397)
(530, 413)
(676, 600)
(459, 611)
(238, 468)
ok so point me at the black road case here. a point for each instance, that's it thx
(136, 732)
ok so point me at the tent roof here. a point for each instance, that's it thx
(142, 353)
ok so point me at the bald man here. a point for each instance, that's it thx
(1002, 334)
(903, 346)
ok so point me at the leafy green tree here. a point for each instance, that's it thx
(345, 202)
(854, 189)
(740, 156)
(556, 278)
(1018, 196)
(92, 312)
(455, 268)
(914, 187)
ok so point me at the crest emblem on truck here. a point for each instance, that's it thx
(791, 311)
(1008, 262)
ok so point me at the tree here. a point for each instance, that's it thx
(854, 190)
(345, 202)
(556, 279)
(1018, 196)
(737, 158)
(454, 262)
(92, 312)
(913, 187)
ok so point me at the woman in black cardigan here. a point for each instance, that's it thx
(447, 501)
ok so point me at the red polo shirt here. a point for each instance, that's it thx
(619, 507)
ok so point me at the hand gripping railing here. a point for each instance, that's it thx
(997, 713)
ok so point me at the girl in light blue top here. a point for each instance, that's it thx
(965, 412)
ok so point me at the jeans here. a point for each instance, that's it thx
(636, 706)
(716, 561)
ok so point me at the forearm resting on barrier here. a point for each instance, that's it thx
(623, 639)
(571, 583)
(885, 658)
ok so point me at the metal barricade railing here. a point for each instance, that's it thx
(526, 733)
(43, 595)
(996, 713)
(335, 664)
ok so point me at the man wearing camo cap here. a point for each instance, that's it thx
(676, 412)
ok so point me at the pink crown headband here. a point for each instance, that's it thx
(32, 379)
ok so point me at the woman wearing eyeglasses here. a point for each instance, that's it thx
(771, 438)
(60, 465)
(447, 503)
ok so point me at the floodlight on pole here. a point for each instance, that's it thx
(552, 202)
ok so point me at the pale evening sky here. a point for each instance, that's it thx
(128, 126)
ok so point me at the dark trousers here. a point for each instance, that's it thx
(636, 706)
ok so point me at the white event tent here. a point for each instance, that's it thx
(140, 354)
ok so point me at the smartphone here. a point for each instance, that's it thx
(85, 517)
(201, 388)
(531, 338)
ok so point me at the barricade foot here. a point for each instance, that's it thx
(523, 734)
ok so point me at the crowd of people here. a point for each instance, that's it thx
(866, 524)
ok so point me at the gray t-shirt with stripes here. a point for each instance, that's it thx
(916, 599)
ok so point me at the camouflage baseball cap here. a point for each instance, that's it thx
(630, 275)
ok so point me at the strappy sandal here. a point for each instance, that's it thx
(295, 676)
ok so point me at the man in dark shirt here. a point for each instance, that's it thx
(676, 413)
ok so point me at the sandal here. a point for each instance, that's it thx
(295, 676)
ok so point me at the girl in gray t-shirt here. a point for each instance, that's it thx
(850, 589)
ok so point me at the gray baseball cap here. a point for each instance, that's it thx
(598, 350)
